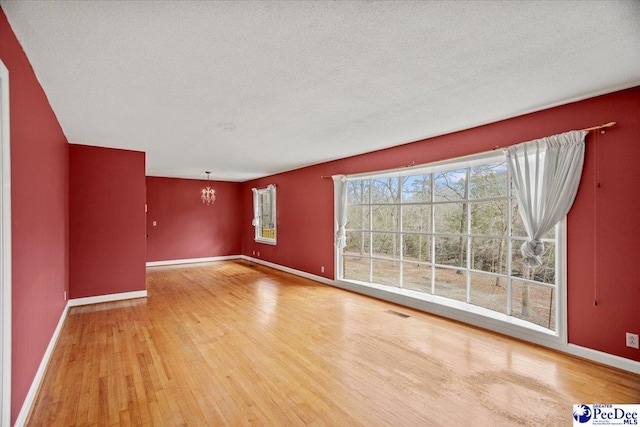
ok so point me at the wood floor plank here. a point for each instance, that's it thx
(232, 343)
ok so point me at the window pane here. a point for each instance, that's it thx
(534, 303)
(385, 218)
(546, 273)
(357, 217)
(517, 226)
(416, 218)
(451, 251)
(489, 254)
(451, 284)
(416, 247)
(488, 180)
(416, 188)
(450, 185)
(450, 218)
(386, 272)
(416, 277)
(385, 190)
(266, 228)
(489, 217)
(386, 245)
(489, 292)
(518, 268)
(358, 191)
(355, 268)
(265, 210)
(358, 243)
(268, 233)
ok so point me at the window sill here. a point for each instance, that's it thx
(460, 311)
(265, 241)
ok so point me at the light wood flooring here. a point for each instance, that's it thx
(233, 343)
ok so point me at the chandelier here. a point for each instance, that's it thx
(208, 194)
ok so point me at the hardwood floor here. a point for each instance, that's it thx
(233, 343)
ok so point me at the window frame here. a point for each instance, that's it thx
(258, 193)
(510, 322)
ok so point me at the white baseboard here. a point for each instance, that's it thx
(106, 298)
(37, 379)
(604, 358)
(290, 270)
(469, 318)
(191, 260)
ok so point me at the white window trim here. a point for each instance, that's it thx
(271, 188)
(462, 311)
(5, 251)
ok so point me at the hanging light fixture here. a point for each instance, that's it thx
(208, 194)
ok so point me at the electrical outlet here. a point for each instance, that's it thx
(258, 253)
(322, 269)
(65, 295)
(632, 340)
(254, 252)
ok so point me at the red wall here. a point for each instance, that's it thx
(106, 221)
(304, 221)
(305, 210)
(186, 228)
(39, 209)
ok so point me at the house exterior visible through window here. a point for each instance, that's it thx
(451, 231)
(264, 214)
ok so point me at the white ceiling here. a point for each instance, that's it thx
(248, 89)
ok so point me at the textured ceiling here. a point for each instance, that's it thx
(247, 89)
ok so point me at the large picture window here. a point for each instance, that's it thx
(449, 230)
(264, 214)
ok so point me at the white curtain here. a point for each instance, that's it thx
(340, 191)
(546, 174)
(256, 207)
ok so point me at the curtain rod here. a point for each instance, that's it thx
(589, 129)
(606, 125)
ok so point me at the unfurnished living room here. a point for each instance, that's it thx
(340, 213)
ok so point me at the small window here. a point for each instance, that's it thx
(264, 214)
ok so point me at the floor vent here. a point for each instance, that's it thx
(397, 313)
